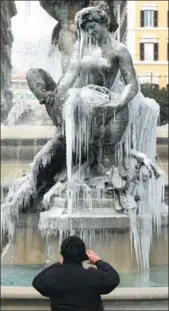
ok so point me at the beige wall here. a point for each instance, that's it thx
(160, 67)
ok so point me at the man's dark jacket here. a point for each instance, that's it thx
(71, 287)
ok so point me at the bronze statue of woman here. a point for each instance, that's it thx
(93, 67)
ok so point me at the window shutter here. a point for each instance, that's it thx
(141, 18)
(168, 18)
(141, 51)
(155, 51)
(155, 18)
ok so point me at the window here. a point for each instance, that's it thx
(149, 18)
(149, 51)
(167, 50)
(168, 18)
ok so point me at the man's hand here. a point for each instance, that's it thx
(61, 260)
(93, 258)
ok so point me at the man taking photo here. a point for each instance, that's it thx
(71, 287)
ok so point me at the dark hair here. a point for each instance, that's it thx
(73, 249)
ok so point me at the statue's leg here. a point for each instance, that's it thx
(40, 82)
(49, 161)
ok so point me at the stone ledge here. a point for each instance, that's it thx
(34, 132)
(128, 293)
(88, 222)
(40, 141)
(27, 132)
(15, 142)
(27, 298)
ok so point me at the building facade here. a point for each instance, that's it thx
(20, 89)
(8, 10)
(147, 40)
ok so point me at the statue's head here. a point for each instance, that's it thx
(91, 19)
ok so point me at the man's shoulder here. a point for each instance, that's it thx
(92, 270)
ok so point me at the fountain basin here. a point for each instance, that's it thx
(24, 132)
(56, 220)
(25, 298)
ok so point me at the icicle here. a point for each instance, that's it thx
(68, 115)
(28, 10)
(141, 135)
(87, 78)
(70, 201)
(114, 119)
(104, 79)
(82, 42)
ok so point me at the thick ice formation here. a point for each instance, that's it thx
(135, 155)
(138, 143)
(141, 135)
(19, 195)
(18, 113)
(24, 190)
(23, 113)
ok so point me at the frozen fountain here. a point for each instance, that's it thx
(98, 173)
(23, 113)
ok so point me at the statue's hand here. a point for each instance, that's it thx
(111, 105)
(116, 106)
(48, 98)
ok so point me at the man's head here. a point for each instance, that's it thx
(73, 249)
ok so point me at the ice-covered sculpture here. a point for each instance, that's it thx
(64, 33)
(104, 153)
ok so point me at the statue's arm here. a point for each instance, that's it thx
(68, 79)
(129, 76)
